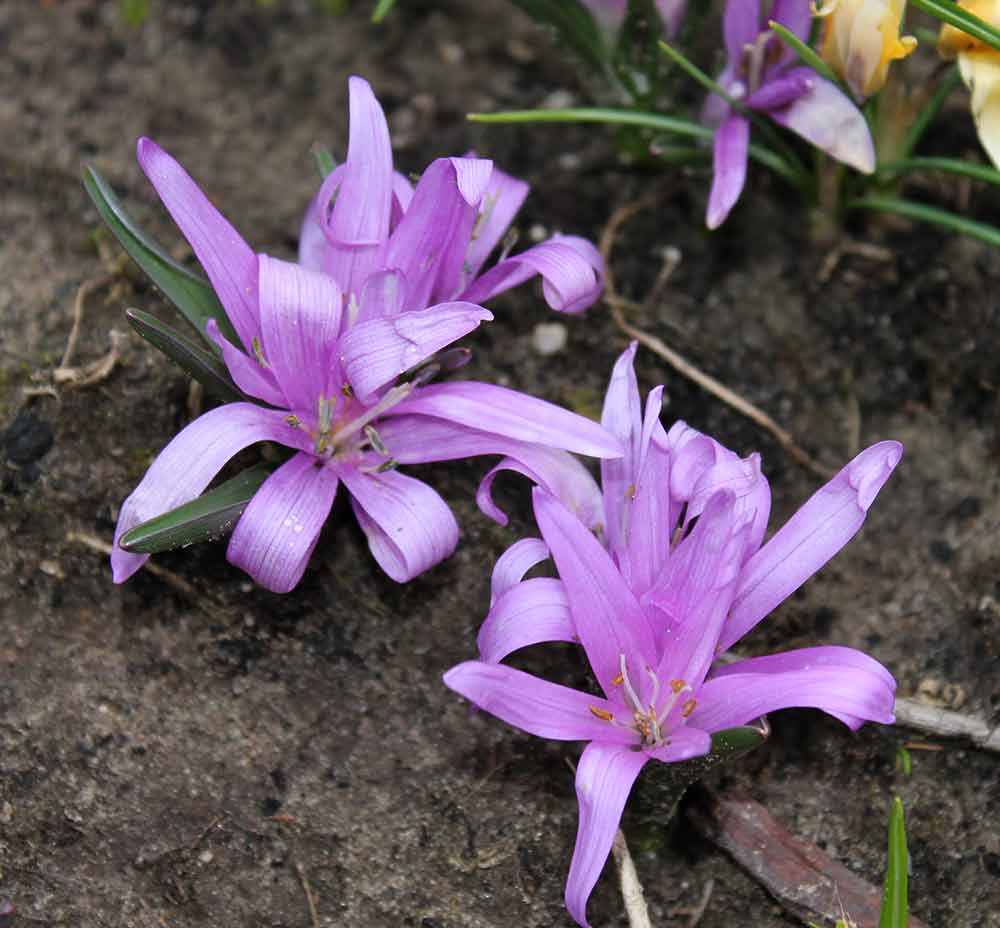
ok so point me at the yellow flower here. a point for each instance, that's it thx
(979, 65)
(861, 38)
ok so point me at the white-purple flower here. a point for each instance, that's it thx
(366, 217)
(341, 356)
(680, 576)
(761, 72)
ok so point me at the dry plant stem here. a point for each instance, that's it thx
(310, 895)
(84, 290)
(628, 879)
(706, 895)
(211, 608)
(946, 724)
(679, 363)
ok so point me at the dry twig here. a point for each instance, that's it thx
(209, 606)
(628, 879)
(310, 895)
(947, 724)
(677, 361)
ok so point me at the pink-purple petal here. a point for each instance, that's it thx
(300, 313)
(684, 743)
(740, 26)
(383, 296)
(729, 170)
(829, 656)
(228, 261)
(849, 693)
(501, 202)
(510, 414)
(781, 91)
(532, 612)
(607, 616)
(409, 527)
(604, 779)
(187, 465)
(571, 270)
(514, 563)
(536, 706)
(828, 520)
(377, 351)
(314, 236)
(622, 417)
(278, 530)
(795, 15)
(248, 374)
(828, 119)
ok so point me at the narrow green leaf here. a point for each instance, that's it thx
(806, 55)
(191, 294)
(951, 165)
(382, 9)
(655, 121)
(895, 905)
(212, 515)
(931, 214)
(933, 106)
(739, 739)
(325, 162)
(954, 15)
(575, 26)
(202, 365)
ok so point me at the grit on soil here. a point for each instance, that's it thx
(176, 760)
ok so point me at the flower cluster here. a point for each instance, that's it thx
(661, 570)
(335, 354)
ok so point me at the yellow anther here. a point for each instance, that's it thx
(293, 421)
(602, 714)
(688, 707)
(618, 680)
(677, 685)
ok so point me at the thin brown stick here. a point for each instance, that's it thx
(699, 910)
(310, 895)
(677, 361)
(83, 291)
(206, 604)
(631, 888)
(946, 724)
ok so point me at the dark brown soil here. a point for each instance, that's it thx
(166, 761)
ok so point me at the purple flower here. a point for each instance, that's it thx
(344, 368)
(366, 217)
(680, 577)
(761, 72)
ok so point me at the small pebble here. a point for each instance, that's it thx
(549, 338)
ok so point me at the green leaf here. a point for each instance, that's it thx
(382, 9)
(212, 515)
(191, 294)
(325, 162)
(954, 15)
(575, 26)
(737, 740)
(951, 165)
(806, 55)
(202, 365)
(637, 60)
(895, 906)
(931, 214)
(655, 121)
(134, 12)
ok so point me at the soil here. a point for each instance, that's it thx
(169, 759)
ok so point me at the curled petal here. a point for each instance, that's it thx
(514, 563)
(510, 414)
(826, 118)
(532, 612)
(571, 269)
(314, 244)
(828, 520)
(228, 261)
(536, 706)
(300, 313)
(278, 530)
(187, 465)
(379, 350)
(409, 527)
(604, 779)
(559, 473)
(729, 171)
(852, 694)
